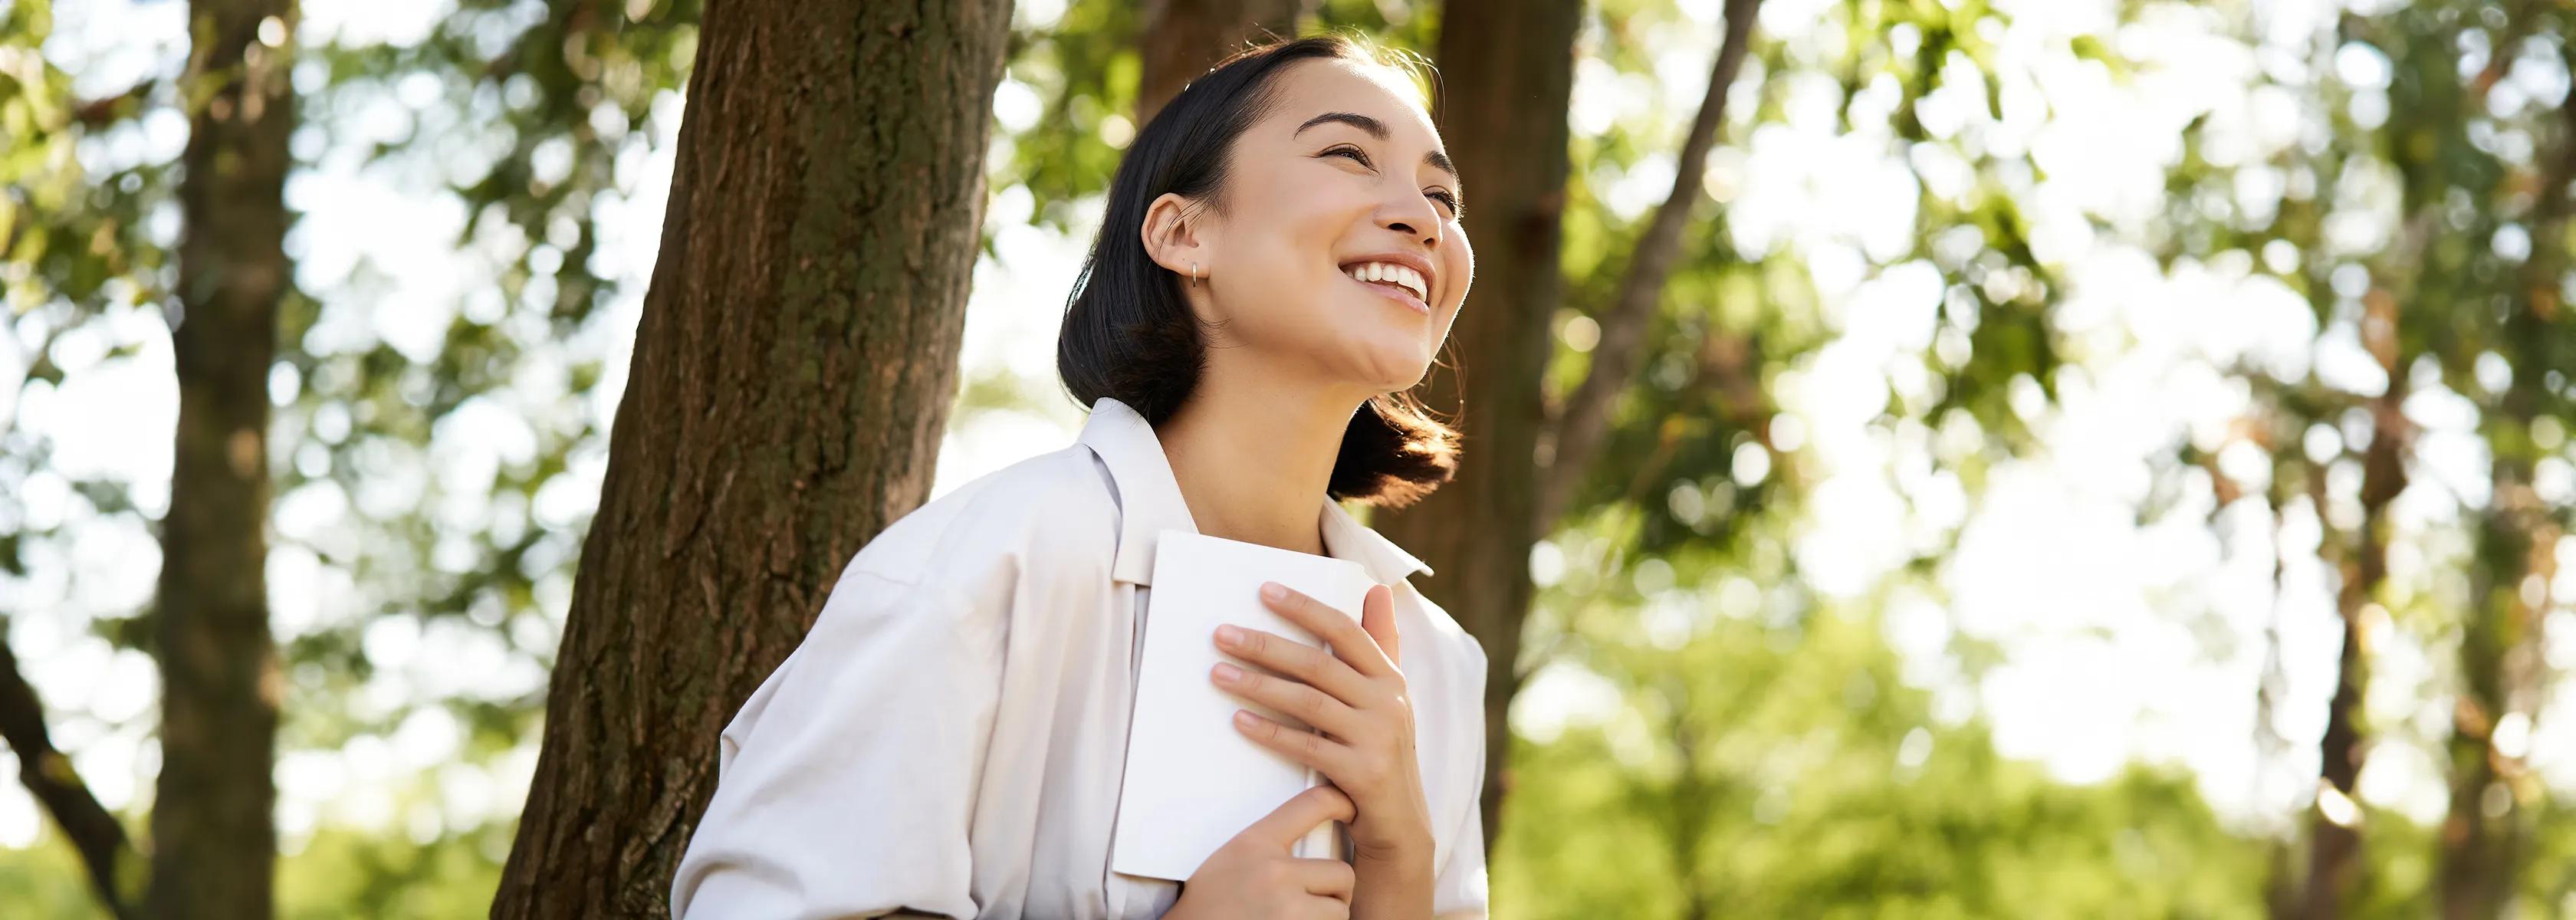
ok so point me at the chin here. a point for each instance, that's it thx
(1378, 344)
(1387, 366)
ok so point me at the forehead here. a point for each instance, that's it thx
(1312, 87)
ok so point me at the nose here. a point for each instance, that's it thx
(1414, 216)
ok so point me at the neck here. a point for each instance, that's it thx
(1254, 459)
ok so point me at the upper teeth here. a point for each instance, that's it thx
(1391, 273)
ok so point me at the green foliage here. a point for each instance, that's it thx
(47, 881)
(339, 873)
(536, 115)
(77, 243)
(343, 873)
(1084, 67)
(1769, 759)
(1965, 835)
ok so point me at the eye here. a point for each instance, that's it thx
(1446, 198)
(1357, 155)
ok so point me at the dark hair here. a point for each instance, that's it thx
(1128, 331)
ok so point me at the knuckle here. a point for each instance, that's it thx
(1312, 704)
(1313, 744)
(1297, 659)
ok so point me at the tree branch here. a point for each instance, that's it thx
(1581, 424)
(48, 774)
(106, 110)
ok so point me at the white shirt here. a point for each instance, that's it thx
(950, 737)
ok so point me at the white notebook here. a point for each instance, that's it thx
(1193, 781)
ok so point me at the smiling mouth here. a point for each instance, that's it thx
(1394, 280)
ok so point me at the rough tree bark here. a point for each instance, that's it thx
(1507, 73)
(1183, 38)
(792, 376)
(1578, 428)
(214, 842)
(93, 831)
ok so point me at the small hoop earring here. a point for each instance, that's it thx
(1194, 274)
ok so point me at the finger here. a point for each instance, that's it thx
(1337, 629)
(1304, 747)
(1331, 878)
(1307, 704)
(1377, 617)
(1285, 825)
(1314, 666)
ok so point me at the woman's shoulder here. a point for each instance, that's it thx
(1054, 509)
(1445, 637)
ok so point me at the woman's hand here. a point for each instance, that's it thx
(1356, 700)
(1253, 877)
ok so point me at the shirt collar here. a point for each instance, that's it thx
(1149, 499)
(1345, 538)
(1149, 502)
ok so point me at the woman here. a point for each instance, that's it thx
(1279, 261)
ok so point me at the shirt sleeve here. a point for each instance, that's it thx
(1458, 887)
(1458, 891)
(846, 783)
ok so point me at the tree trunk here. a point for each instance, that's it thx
(792, 377)
(1183, 38)
(2502, 667)
(2477, 836)
(1508, 69)
(214, 842)
(2334, 847)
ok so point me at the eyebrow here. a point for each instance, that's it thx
(1374, 127)
(1441, 162)
(1377, 129)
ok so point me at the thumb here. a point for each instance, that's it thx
(1284, 826)
(1377, 618)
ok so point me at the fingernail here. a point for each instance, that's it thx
(1243, 718)
(1228, 634)
(1226, 673)
(1274, 591)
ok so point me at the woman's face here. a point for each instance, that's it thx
(1335, 253)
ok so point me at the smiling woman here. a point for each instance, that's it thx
(1279, 262)
(1220, 263)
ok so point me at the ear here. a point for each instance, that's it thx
(1171, 235)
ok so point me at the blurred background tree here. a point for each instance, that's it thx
(2084, 458)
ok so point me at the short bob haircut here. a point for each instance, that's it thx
(1128, 330)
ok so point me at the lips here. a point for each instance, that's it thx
(1397, 275)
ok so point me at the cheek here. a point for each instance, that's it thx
(1280, 249)
(1305, 208)
(1458, 262)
